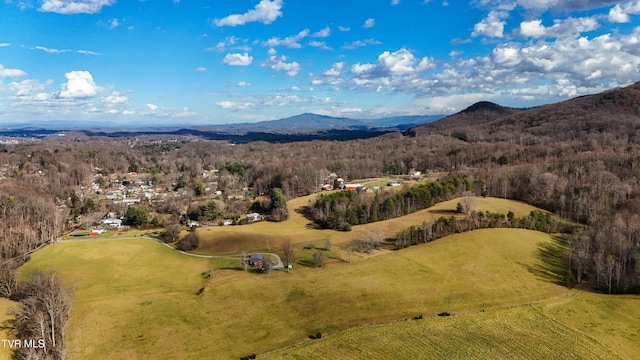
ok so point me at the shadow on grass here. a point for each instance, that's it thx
(554, 261)
(444, 212)
(310, 225)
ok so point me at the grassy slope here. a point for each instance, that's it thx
(579, 325)
(135, 299)
(514, 333)
(612, 320)
(236, 239)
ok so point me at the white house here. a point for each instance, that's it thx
(254, 217)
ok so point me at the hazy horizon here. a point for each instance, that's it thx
(143, 63)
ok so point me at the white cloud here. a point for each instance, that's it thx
(282, 100)
(336, 69)
(200, 69)
(238, 59)
(234, 105)
(28, 88)
(51, 50)
(398, 71)
(620, 13)
(79, 85)
(231, 42)
(570, 66)
(265, 12)
(360, 43)
(322, 33)
(361, 69)
(532, 28)
(329, 77)
(570, 27)
(114, 23)
(492, 25)
(243, 84)
(5, 44)
(6, 73)
(563, 4)
(395, 2)
(152, 107)
(319, 44)
(61, 51)
(401, 62)
(75, 6)
(344, 28)
(369, 23)
(272, 51)
(289, 41)
(87, 52)
(279, 63)
(115, 98)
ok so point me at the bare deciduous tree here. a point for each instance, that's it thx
(45, 306)
(287, 252)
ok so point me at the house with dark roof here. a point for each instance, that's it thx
(256, 260)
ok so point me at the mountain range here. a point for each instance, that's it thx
(615, 111)
(299, 124)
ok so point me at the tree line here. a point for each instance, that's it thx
(342, 209)
(445, 226)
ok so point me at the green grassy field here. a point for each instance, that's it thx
(515, 333)
(256, 237)
(136, 299)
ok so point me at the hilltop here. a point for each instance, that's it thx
(615, 112)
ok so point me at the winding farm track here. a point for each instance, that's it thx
(279, 265)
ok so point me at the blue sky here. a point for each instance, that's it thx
(161, 62)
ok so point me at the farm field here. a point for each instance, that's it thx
(250, 238)
(136, 299)
(522, 332)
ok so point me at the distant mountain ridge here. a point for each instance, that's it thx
(615, 111)
(306, 123)
(303, 123)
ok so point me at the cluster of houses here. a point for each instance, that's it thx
(109, 222)
(129, 192)
(330, 182)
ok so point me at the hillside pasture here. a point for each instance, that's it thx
(514, 333)
(255, 237)
(137, 299)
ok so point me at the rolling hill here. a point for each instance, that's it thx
(614, 112)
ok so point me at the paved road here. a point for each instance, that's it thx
(277, 266)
